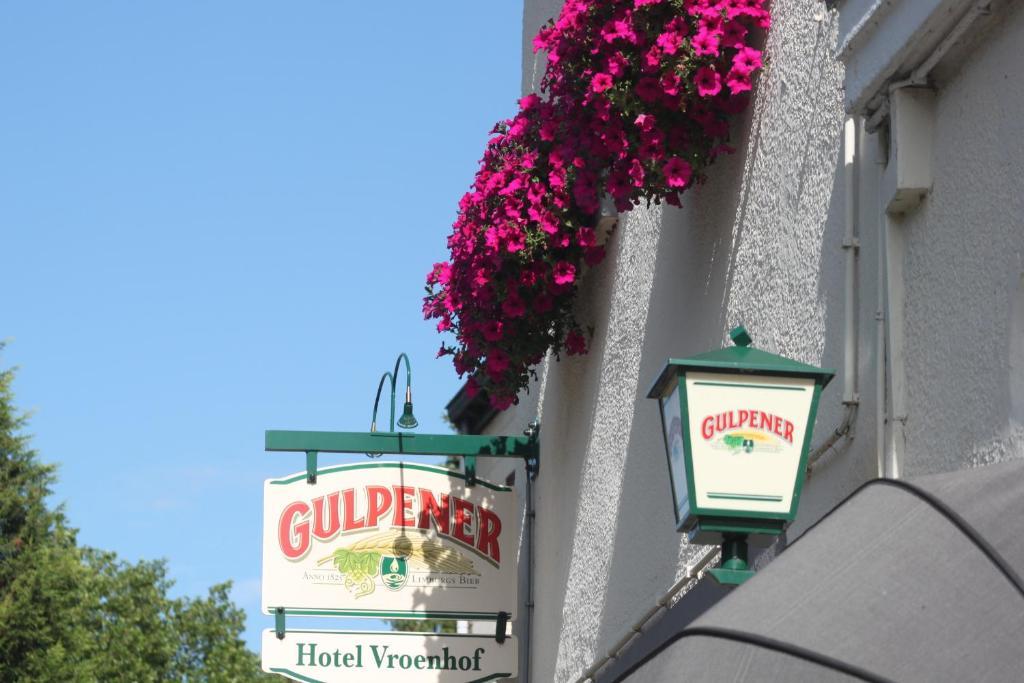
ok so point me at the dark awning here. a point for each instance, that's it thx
(904, 581)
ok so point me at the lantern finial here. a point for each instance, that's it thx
(740, 336)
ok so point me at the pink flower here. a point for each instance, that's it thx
(564, 273)
(547, 132)
(513, 306)
(617, 64)
(645, 122)
(636, 173)
(601, 82)
(705, 43)
(709, 82)
(529, 102)
(746, 61)
(492, 330)
(652, 59)
(669, 42)
(738, 82)
(733, 35)
(575, 344)
(677, 172)
(497, 362)
(516, 241)
(440, 274)
(648, 90)
(642, 3)
(586, 237)
(670, 83)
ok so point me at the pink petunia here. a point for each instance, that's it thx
(636, 173)
(617, 64)
(586, 237)
(492, 330)
(516, 241)
(670, 83)
(648, 90)
(669, 42)
(601, 82)
(645, 122)
(564, 273)
(497, 361)
(733, 34)
(738, 82)
(677, 172)
(441, 274)
(652, 59)
(513, 306)
(746, 61)
(575, 344)
(705, 43)
(709, 81)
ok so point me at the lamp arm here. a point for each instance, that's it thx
(408, 383)
(376, 401)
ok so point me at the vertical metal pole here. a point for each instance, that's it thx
(524, 651)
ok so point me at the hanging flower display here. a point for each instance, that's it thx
(637, 100)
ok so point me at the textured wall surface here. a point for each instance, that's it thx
(964, 260)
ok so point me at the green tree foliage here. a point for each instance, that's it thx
(72, 613)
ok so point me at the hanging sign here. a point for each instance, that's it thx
(389, 540)
(381, 656)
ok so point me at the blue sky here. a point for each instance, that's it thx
(216, 219)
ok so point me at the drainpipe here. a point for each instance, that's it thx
(906, 181)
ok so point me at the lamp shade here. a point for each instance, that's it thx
(737, 425)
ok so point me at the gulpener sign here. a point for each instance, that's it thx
(389, 540)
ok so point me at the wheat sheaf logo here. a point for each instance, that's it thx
(391, 555)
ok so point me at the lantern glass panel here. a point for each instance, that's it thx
(748, 437)
(672, 426)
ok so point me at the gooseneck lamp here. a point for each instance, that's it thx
(407, 420)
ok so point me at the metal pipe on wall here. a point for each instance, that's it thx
(851, 246)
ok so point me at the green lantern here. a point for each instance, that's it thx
(737, 424)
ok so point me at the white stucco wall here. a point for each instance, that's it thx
(760, 245)
(963, 266)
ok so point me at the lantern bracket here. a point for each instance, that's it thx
(734, 568)
(279, 623)
(500, 626)
(311, 457)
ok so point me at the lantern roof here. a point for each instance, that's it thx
(739, 359)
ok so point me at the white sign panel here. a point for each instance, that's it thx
(379, 657)
(389, 540)
(746, 434)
